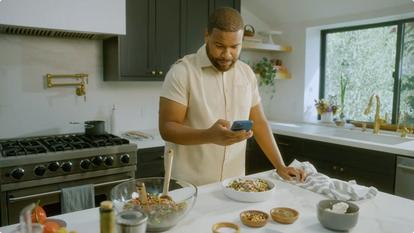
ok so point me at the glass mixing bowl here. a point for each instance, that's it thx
(162, 214)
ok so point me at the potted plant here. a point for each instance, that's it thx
(266, 71)
(326, 109)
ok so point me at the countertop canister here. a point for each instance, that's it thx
(131, 221)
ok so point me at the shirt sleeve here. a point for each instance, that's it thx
(175, 86)
(255, 89)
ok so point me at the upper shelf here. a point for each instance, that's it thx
(265, 47)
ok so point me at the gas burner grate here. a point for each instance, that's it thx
(21, 147)
(38, 145)
(105, 140)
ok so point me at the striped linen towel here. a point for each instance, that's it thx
(333, 188)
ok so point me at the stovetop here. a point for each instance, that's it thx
(56, 143)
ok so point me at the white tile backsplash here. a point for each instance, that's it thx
(28, 108)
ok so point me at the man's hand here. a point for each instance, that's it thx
(219, 133)
(289, 173)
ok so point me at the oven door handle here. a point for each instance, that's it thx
(14, 199)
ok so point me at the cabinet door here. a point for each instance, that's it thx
(195, 20)
(256, 160)
(136, 47)
(367, 167)
(168, 33)
(225, 3)
(150, 162)
(291, 148)
(195, 23)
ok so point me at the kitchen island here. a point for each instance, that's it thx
(385, 213)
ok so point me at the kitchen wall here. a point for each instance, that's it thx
(294, 99)
(28, 108)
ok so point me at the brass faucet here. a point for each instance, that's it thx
(377, 121)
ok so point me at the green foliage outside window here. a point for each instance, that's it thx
(361, 61)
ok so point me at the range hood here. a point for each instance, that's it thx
(80, 19)
(26, 31)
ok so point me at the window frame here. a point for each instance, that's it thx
(398, 58)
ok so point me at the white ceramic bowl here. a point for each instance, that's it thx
(248, 196)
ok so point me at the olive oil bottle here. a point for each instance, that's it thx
(107, 217)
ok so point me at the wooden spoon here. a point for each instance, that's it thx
(167, 176)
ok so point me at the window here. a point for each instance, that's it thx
(357, 62)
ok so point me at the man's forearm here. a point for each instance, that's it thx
(184, 135)
(265, 139)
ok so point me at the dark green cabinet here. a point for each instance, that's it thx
(151, 44)
(158, 32)
(367, 167)
(256, 160)
(150, 162)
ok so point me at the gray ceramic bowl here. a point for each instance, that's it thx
(335, 221)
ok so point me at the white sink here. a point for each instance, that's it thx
(384, 138)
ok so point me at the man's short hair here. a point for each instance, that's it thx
(225, 19)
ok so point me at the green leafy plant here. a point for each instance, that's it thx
(266, 70)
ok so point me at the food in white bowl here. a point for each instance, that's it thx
(248, 189)
(162, 213)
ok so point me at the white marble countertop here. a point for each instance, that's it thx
(384, 213)
(154, 141)
(349, 136)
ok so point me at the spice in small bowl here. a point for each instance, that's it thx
(254, 218)
(284, 215)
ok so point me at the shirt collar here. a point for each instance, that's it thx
(202, 58)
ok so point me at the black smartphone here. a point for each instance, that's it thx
(242, 125)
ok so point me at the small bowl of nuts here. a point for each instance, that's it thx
(284, 215)
(254, 218)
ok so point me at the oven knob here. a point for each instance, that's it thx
(125, 158)
(40, 170)
(53, 166)
(17, 173)
(97, 160)
(66, 166)
(109, 161)
(85, 164)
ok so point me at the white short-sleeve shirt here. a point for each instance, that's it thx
(210, 95)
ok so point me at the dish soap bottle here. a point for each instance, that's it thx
(107, 217)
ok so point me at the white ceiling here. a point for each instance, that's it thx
(276, 12)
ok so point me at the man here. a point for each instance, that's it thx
(202, 94)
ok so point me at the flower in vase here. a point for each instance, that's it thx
(323, 106)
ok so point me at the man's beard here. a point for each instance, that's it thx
(222, 65)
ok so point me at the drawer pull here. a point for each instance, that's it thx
(405, 167)
(283, 144)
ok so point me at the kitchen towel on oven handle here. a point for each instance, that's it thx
(77, 198)
(333, 188)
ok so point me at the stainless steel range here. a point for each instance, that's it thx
(37, 168)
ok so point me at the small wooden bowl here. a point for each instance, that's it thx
(284, 215)
(216, 227)
(254, 218)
